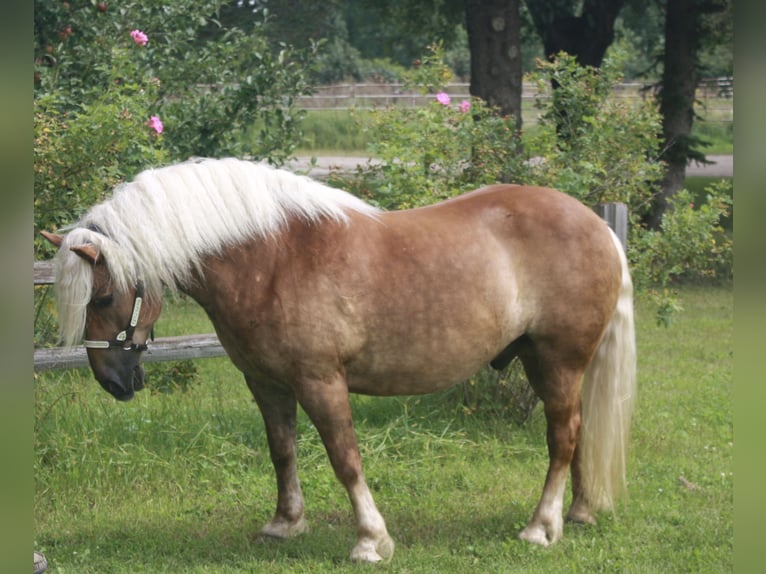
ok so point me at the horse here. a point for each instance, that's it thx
(315, 294)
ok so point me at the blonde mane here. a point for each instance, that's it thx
(159, 227)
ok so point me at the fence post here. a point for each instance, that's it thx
(616, 216)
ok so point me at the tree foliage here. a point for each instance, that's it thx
(608, 151)
(584, 29)
(218, 90)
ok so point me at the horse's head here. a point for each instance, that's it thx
(118, 322)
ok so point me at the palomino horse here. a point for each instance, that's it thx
(315, 294)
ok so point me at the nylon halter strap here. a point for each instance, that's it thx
(124, 339)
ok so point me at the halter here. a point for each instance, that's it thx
(124, 339)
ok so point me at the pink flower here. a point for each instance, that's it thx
(443, 98)
(156, 124)
(464, 106)
(139, 37)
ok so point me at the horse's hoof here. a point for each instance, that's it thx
(372, 552)
(535, 535)
(580, 512)
(582, 516)
(282, 529)
(539, 534)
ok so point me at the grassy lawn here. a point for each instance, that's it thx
(341, 132)
(180, 482)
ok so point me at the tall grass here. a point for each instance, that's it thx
(181, 482)
(334, 132)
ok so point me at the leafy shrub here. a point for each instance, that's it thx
(602, 148)
(436, 151)
(81, 152)
(123, 87)
(594, 146)
(690, 244)
(169, 377)
(102, 71)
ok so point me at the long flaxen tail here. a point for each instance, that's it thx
(608, 399)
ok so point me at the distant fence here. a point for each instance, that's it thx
(375, 95)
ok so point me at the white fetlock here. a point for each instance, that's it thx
(372, 552)
(283, 529)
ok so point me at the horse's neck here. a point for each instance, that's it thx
(223, 278)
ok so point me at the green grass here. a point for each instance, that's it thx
(181, 482)
(334, 132)
(718, 137)
(329, 132)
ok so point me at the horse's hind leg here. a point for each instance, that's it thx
(559, 389)
(327, 404)
(279, 407)
(580, 509)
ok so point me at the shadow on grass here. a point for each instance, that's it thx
(230, 541)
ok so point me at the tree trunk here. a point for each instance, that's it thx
(586, 37)
(679, 83)
(494, 40)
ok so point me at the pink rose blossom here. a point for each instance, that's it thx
(156, 124)
(139, 37)
(443, 98)
(464, 106)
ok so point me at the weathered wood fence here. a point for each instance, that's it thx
(714, 95)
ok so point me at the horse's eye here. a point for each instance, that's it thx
(104, 301)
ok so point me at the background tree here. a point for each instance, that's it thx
(494, 38)
(687, 22)
(586, 35)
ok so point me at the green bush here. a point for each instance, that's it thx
(436, 151)
(82, 151)
(103, 70)
(594, 146)
(123, 87)
(588, 143)
(691, 244)
(168, 378)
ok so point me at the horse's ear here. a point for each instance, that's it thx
(53, 238)
(88, 252)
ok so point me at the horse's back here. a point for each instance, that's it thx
(548, 232)
(460, 280)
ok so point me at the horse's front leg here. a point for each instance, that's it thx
(327, 404)
(278, 406)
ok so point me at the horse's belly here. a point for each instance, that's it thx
(400, 381)
(417, 365)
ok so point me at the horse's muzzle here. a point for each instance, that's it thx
(122, 388)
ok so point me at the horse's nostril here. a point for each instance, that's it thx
(138, 378)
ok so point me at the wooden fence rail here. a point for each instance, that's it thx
(162, 349)
(714, 95)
